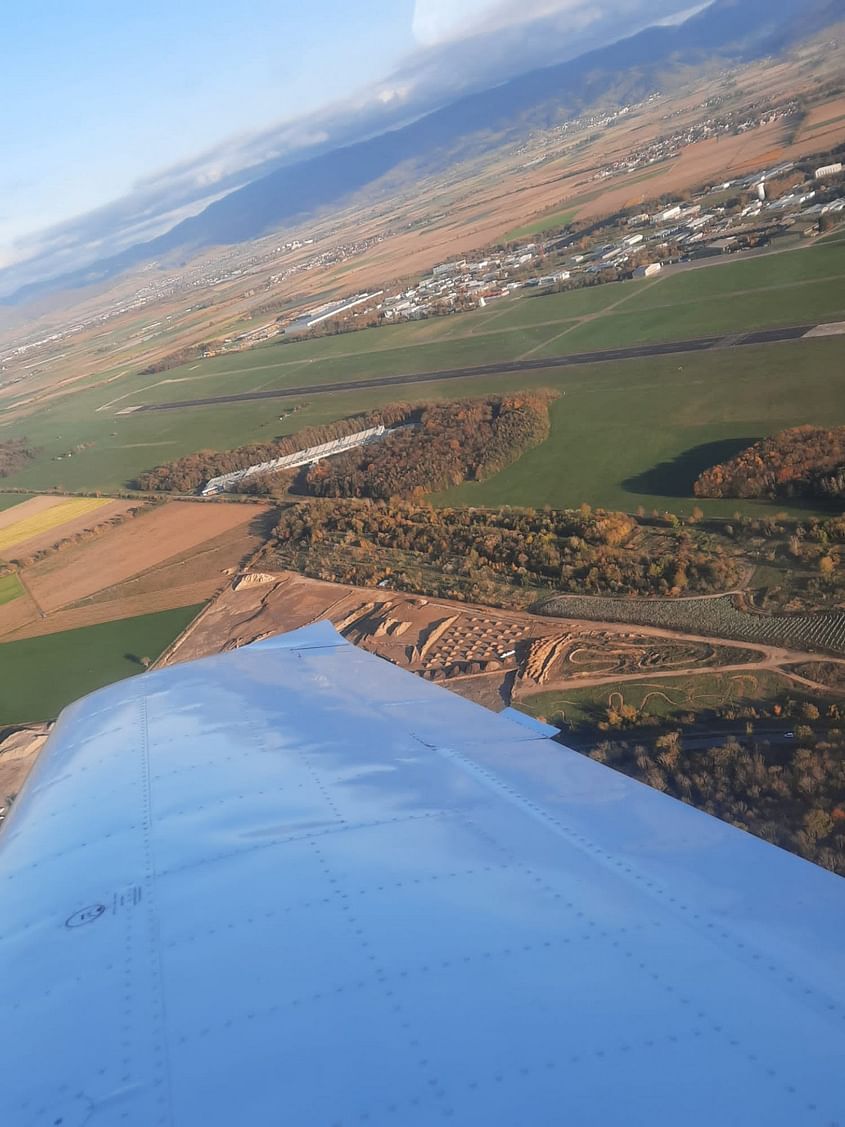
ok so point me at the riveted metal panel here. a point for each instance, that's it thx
(294, 884)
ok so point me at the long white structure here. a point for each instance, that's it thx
(331, 309)
(290, 461)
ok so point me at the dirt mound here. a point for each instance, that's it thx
(253, 579)
(19, 748)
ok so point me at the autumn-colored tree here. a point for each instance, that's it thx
(827, 566)
(447, 444)
(14, 455)
(805, 461)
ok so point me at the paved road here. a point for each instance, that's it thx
(633, 352)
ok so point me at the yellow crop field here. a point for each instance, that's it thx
(54, 517)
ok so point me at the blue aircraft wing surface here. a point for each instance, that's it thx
(294, 884)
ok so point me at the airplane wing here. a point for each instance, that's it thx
(294, 884)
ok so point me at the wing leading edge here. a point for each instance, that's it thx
(295, 884)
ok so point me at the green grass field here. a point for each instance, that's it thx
(544, 223)
(806, 303)
(639, 433)
(8, 500)
(39, 676)
(10, 588)
(624, 434)
(663, 697)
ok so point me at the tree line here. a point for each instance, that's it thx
(433, 446)
(794, 799)
(187, 474)
(15, 453)
(465, 440)
(804, 461)
(506, 556)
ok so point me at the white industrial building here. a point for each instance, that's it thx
(828, 170)
(446, 269)
(325, 312)
(305, 457)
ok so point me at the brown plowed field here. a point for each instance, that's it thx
(16, 615)
(70, 528)
(27, 509)
(91, 614)
(214, 561)
(823, 125)
(135, 547)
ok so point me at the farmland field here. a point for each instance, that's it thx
(10, 588)
(709, 616)
(624, 433)
(35, 521)
(39, 676)
(24, 508)
(544, 223)
(130, 550)
(194, 576)
(76, 523)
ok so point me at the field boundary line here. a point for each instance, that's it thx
(589, 318)
(189, 554)
(551, 340)
(42, 613)
(177, 642)
(732, 293)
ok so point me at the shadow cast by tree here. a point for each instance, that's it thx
(676, 478)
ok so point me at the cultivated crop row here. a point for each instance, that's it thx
(718, 617)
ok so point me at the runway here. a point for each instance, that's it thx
(573, 360)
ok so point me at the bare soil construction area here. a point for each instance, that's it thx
(130, 550)
(489, 655)
(19, 748)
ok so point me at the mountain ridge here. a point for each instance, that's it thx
(622, 72)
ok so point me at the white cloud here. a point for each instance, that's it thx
(442, 21)
(465, 46)
(435, 21)
(395, 94)
(676, 18)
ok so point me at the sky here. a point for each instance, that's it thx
(119, 119)
(94, 95)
